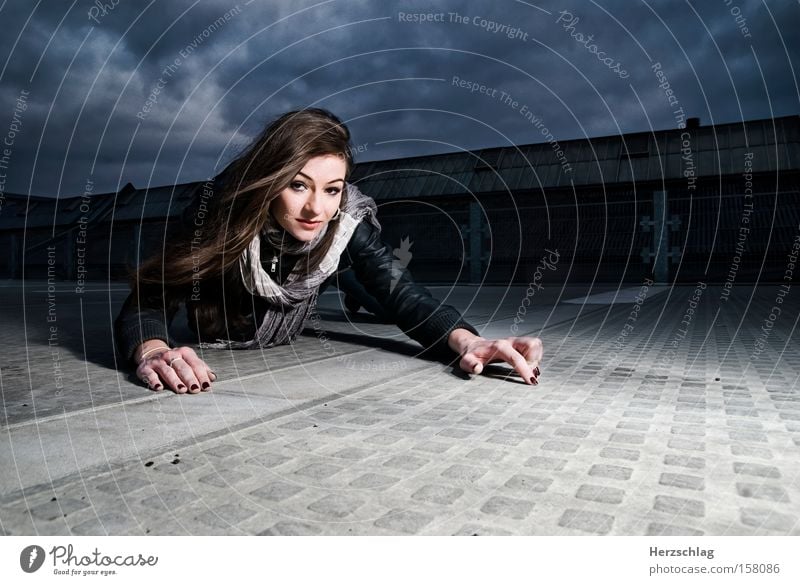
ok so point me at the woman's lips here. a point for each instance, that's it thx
(309, 225)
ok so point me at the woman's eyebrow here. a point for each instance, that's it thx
(312, 180)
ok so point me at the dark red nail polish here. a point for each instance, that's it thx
(181, 387)
(158, 386)
(533, 381)
(195, 387)
(206, 385)
(536, 371)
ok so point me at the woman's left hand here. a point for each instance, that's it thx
(523, 353)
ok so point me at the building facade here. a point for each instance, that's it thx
(703, 203)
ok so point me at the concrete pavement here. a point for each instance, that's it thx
(660, 411)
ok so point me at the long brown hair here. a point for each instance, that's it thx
(238, 213)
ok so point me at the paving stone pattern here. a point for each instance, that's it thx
(631, 440)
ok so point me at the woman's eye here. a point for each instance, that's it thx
(297, 185)
(334, 191)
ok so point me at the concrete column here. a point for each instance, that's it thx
(475, 233)
(660, 237)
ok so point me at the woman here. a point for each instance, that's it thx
(256, 251)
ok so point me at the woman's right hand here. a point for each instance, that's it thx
(178, 369)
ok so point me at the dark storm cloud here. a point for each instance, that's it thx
(223, 69)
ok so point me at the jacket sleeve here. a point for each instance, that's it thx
(150, 315)
(411, 306)
(143, 318)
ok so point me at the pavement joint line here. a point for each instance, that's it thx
(301, 364)
(100, 469)
(163, 395)
(620, 415)
(64, 415)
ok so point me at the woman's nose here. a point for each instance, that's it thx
(314, 202)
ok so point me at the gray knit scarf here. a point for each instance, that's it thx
(291, 303)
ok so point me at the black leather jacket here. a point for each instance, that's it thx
(408, 304)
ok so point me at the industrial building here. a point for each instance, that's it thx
(714, 203)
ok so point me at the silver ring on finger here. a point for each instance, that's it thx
(173, 360)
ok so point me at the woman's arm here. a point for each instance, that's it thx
(144, 316)
(408, 304)
(425, 319)
(141, 329)
(143, 339)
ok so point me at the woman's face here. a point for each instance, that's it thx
(312, 198)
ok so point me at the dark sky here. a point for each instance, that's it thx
(88, 73)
